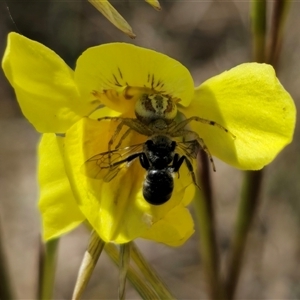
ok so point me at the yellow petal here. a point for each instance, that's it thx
(112, 68)
(250, 102)
(174, 229)
(113, 16)
(43, 84)
(59, 210)
(154, 3)
(116, 209)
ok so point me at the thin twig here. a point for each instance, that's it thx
(88, 264)
(150, 274)
(206, 221)
(139, 283)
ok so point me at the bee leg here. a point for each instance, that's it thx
(189, 165)
(175, 164)
(144, 161)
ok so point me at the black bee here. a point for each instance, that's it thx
(158, 156)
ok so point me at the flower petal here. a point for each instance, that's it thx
(174, 229)
(113, 68)
(250, 102)
(59, 210)
(116, 209)
(43, 84)
(113, 16)
(154, 3)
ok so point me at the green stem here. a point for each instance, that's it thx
(47, 270)
(259, 29)
(280, 12)
(5, 283)
(150, 274)
(206, 222)
(141, 287)
(253, 180)
(88, 264)
(246, 213)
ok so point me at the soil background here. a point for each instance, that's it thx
(208, 37)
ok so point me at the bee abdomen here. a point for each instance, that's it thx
(158, 186)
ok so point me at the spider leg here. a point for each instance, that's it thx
(138, 126)
(200, 141)
(203, 146)
(183, 123)
(123, 137)
(117, 131)
(133, 124)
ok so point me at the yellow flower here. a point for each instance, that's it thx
(108, 80)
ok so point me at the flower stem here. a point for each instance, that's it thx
(206, 223)
(259, 29)
(280, 11)
(124, 261)
(142, 288)
(248, 205)
(88, 264)
(253, 179)
(5, 283)
(47, 269)
(150, 274)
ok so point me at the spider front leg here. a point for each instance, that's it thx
(123, 137)
(184, 123)
(204, 148)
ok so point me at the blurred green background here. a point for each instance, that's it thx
(208, 37)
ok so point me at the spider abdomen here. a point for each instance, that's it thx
(151, 107)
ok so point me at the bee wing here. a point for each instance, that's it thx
(107, 165)
(189, 148)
